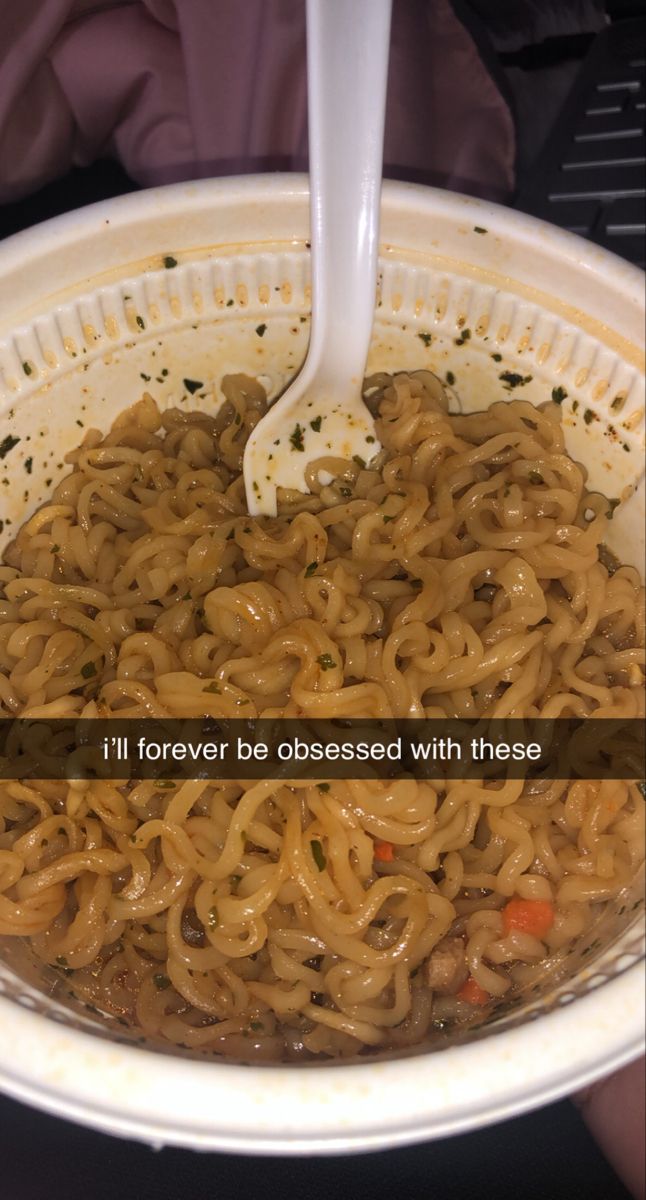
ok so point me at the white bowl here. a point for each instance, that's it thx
(88, 308)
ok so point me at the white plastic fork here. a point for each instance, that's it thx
(322, 413)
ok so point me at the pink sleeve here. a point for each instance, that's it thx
(124, 78)
(36, 123)
(180, 90)
(447, 124)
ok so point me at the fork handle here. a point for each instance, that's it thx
(347, 69)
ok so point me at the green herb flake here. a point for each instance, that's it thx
(318, 855)
(535, 477)
(512, 379)
(192, 385)
(8, 444)
(480, 229)
(426, 338)
(323, 787)
(56, 549)
(618, 401)
(296, 438)
(326, 662)
(310, 569)
(61, 960)
(261, 329)
(559, 394)
(169, 261)
(359, 461)
(140, 322)
(589, 416)
(28, 465)
(316, 424)
(88, 670)
(214, 689)
(464, 337)
(575, 406)
(161, 982)
(146, 378)
(450, 378)
(26, 368)
(387, 519)
(497, 357)
(163, 785)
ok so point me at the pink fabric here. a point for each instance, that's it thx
(179, 89)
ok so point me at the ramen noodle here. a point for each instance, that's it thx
(461, 573)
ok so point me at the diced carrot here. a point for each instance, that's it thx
(384, 851)
(473, 993)
(528, 916)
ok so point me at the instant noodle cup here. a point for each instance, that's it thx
(168, 291)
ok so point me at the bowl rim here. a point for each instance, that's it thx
(261, 195)
(327, 1108)
(317, 1108)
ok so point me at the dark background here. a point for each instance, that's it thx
(547, 1154)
